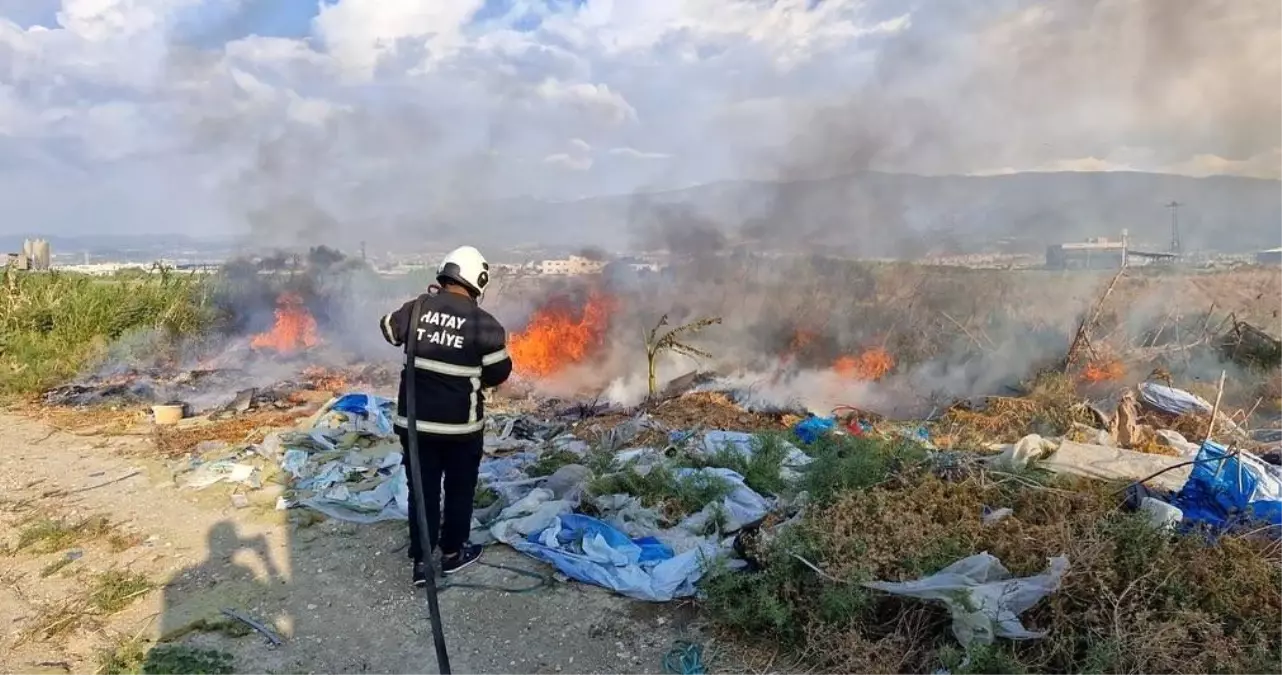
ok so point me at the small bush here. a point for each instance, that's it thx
(549, 462)
(131, 657)
(844, 463)
(761, 469)
(185, 660)
(661, 488)
(484, 497)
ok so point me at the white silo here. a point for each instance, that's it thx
(41, 254)
(28, 249)
(40, 251)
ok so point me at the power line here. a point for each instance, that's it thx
(1174, 206)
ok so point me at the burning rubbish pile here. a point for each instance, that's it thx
(847, 528)
(270, 353)
(559, 335)
(293, 330)
(1073, 522)
(1005, 532)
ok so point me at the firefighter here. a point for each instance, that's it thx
(460, 350)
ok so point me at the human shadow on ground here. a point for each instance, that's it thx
(238, 575)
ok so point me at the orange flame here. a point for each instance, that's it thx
(294, 329)
(800, 340)
(1105, 370)
(557, 336)
(871, 365)
(323, 379)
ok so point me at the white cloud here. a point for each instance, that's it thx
(633, 153)
(567, 161)
(394, 108)
(594, 99)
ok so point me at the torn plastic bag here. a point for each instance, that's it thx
(223, 470)
(589, 550)
(984, 601)
(1179, 402)
(745, 445)
(533, 513)
(1171, 400)
(387, 501)
(741, 507)
(813, 428)
(1213, 494)
(1094, 461)
(372, 415)
(626, 513)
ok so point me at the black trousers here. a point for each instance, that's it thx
(456, 459)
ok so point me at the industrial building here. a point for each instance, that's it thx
(1094, 253)
(34, 256)
(1272, 256)
(572, 266)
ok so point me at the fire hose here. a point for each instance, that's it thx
(420, 501)
(420, 508)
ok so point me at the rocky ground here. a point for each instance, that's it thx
(105, 555)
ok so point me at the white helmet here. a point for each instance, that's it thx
(467, 267)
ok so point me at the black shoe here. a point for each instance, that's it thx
(453, 563)
(420, 574)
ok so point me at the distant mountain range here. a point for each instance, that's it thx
(101, 244)
(868, 213)
(885, 214)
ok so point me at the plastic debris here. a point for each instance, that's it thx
(744, 444)
(994, 516)
(1171, 400)
(813, 428)
(1163, 516)
(210, 473)
(1094, 461)
(985, 603)
(589, 550)
(1224, 489)
(347, 465)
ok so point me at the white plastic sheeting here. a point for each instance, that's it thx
(348, 466)
(985, 603)
(1094, 461)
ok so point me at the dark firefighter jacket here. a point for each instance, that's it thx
(461, 350)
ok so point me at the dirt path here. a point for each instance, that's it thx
(338, 594)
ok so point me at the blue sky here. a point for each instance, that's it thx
(116, 115)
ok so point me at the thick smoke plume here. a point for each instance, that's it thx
(428, 144)
(946, 333)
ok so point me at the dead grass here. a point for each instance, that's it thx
(709, 410)
(91, 420)
(45, 534)
(55, 567)
(119, 542)
(56, 619)
(1050, 407)
(1134, 599)
(178, 440)
(107, 593)
(115, 590)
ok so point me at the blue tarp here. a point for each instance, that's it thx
(592, 551)
(376, 409)
(813, 428)
(1213, 494)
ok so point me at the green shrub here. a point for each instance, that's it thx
(53, 326)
